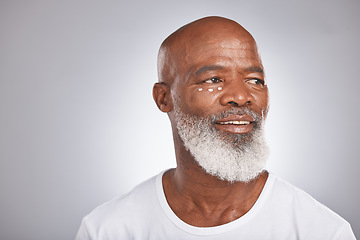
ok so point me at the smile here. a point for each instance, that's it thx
(235, 123)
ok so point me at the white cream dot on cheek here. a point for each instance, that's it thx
(219, 88)
(210, 89)
(200, 89)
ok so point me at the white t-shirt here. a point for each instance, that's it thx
(282, 212)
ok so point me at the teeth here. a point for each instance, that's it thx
(235, 122)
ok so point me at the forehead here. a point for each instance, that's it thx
(226, 52)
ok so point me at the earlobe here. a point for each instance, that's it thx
(162, 97)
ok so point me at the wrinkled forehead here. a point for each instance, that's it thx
(213, 40)
(211, 37)
(231, 51)
(233, 48)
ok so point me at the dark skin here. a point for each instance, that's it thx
(210, 53)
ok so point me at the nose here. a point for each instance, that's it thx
(237, 94)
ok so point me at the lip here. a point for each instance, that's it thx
(238, 124)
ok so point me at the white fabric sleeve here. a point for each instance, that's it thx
(83, 233)
(345, 233)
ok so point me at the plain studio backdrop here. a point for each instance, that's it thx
(78, 124)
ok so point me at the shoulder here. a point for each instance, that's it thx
(304, 211)
(297, 196)
(142, 193)
(298, 199)
(123, 212)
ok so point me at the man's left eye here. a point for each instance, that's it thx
(256, 81)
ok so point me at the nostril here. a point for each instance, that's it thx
(233, 103)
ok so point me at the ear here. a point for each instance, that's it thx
(162, 97)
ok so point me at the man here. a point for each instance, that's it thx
(212, 86)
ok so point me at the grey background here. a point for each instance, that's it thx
(78, 125)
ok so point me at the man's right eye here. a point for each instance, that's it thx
(213, 80)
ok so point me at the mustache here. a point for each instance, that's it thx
(236, 111)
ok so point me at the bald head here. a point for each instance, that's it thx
(201, 52)
(176, 50)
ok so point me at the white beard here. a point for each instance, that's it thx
(229, 157)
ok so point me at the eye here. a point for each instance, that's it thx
(213, 80)
(256, 81)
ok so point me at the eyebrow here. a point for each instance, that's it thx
(254, 69)
(208, 68)
(218, 67)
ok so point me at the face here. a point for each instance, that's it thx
(220, 101)
(215, 75)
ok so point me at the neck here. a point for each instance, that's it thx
(203, 200)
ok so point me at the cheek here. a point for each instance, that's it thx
(261, 99)
(204, 98)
